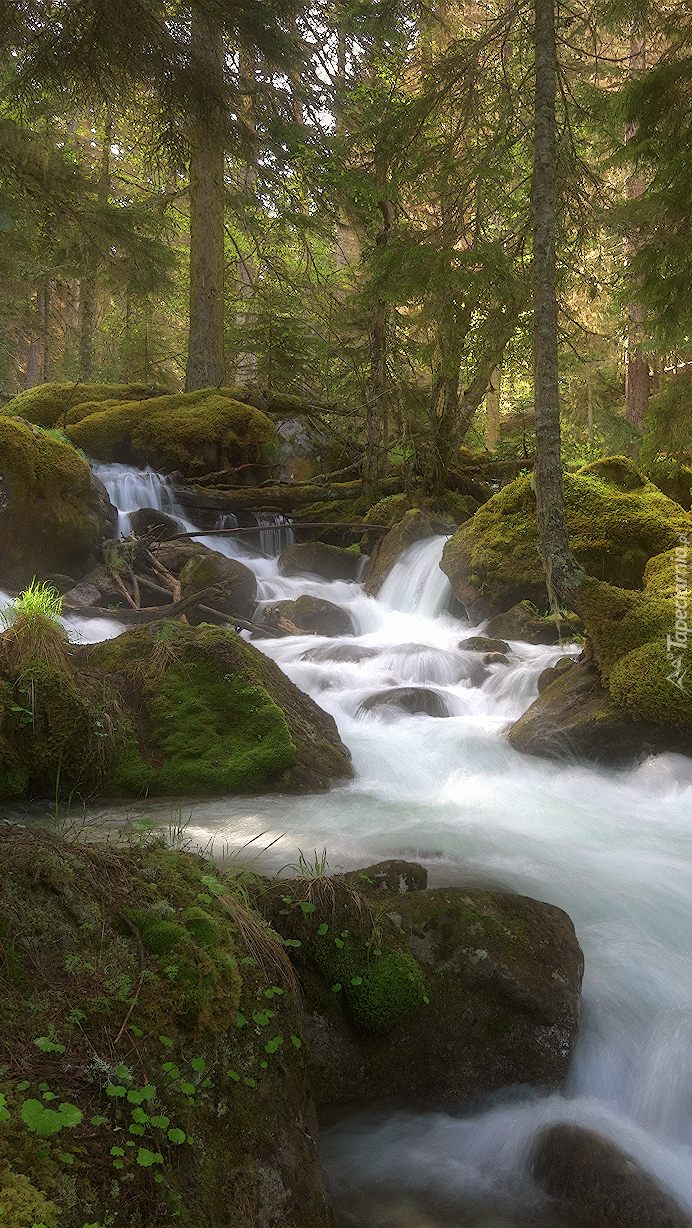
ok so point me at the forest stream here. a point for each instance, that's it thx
(612, 848)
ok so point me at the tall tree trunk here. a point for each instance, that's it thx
(376, 395)
(492, 410)
(246, 266)
(44, 298)
(88, 285)
(637, 364)
(205, 362)
(563, 573)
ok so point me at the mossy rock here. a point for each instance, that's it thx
(618, 471)
(237, 581)
(47, 404)
(618, 620)
(493, 561)
(319, 559)
(52, 515)
(193, 432)
(160, 1047)
(670, 572)
(209, 714)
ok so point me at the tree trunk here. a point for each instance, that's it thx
(246, 266)
(492, 410)
(88, 285)
(563, 573)
(637, 364)
(375, 404)
(205, 362)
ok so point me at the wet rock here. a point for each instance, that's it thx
(482, 643)
(522, 623)
(413, 699)
(414, 527)
(314, 614)
(600, 1182)
(575, 718)
(319, 559)
(82, 596)
(236, 580)
(340, 652)
(394, 877)
(553, 672)
(59, 581)
(495, 658)
(502, 975)
(149, 522)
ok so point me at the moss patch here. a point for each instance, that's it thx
(135, 1080)
(493, 561)
(49, 514)
(193, 432)
(47, 404)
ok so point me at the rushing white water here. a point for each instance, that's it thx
(613, 848)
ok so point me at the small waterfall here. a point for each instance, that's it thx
(416, 585)
(129, 489)
(276, 533)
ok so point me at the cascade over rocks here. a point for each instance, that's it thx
(592, 1177)
(501, 974)
(415, 526)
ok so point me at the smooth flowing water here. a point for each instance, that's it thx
(612, 848)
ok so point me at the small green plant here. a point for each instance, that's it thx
(318, 867)
(42, 600)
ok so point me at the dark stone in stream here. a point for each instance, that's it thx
(601, 1183)
(495, 658)
(575, 718)
(149, 522)
(482, 643)
(237, 581)
(319, 559)
(520, 623)
(351, 653)
(315, 615)
(413, 699)
(498, 1002)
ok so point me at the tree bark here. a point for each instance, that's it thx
(492, 410)
(563, 573)
(88, 284)
(637, 364)
(205, 363)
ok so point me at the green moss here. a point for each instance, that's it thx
(380, 988)
(22, 1205)
(46, 404)
(388, 511)
(202, 927)
(175, 431)
(619, 471)
(655, 684)
(618, 620)
(216, 734)
(613, 532)
(334, 510)
(667, 573)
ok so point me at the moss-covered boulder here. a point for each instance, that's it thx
(193, 432)
(164, 709)
(493, 561)
(319, 559)
(155, 1068)
(592, 1178)
(48, 404)
(238, 584)
(209, 714)
(53, 514)
(436, 993)
(576, 718)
